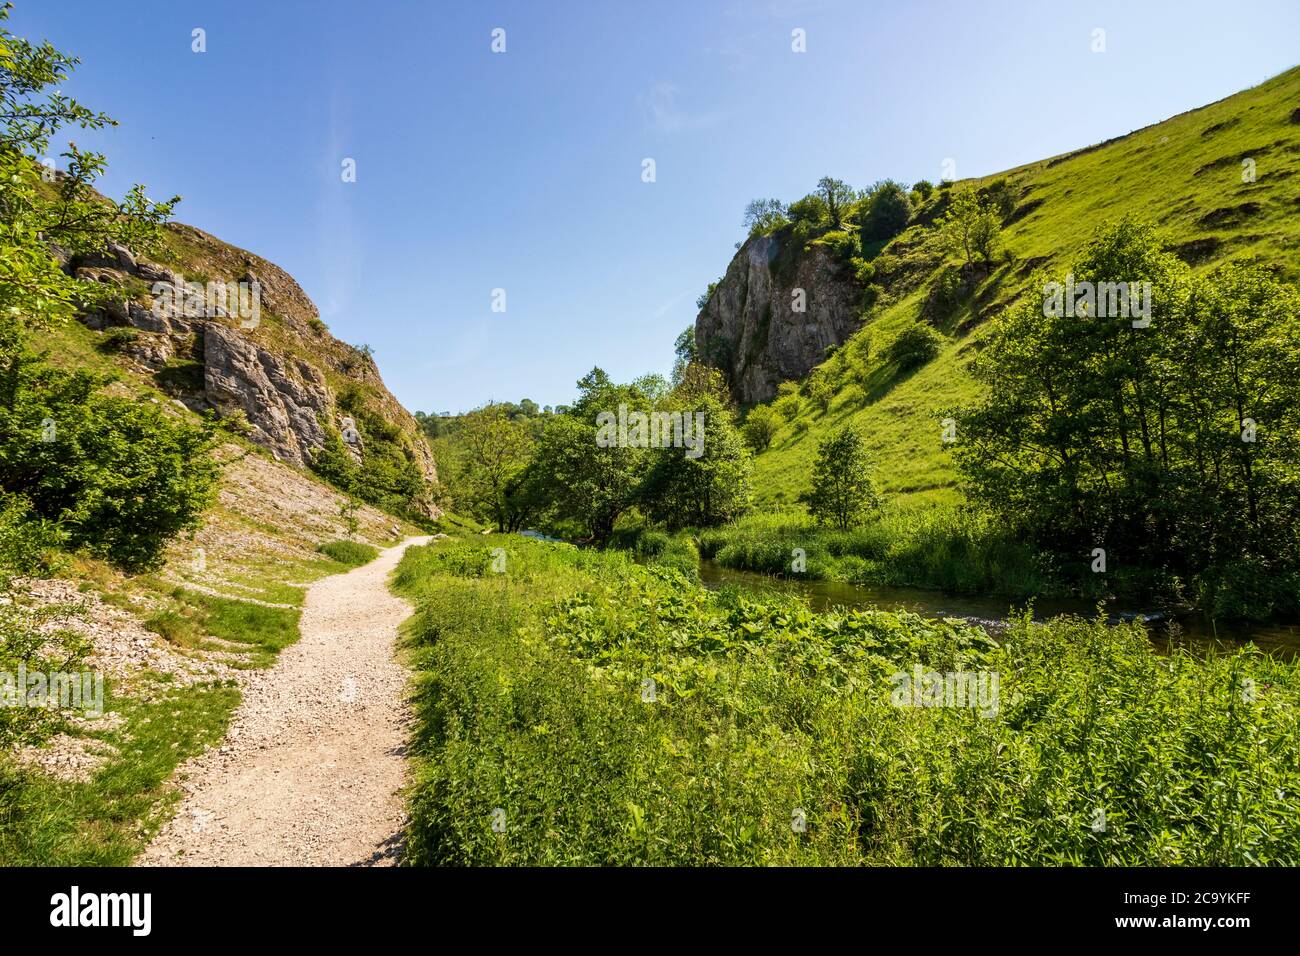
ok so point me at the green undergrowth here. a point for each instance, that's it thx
(577, 708)
(351, 553)
(952, 549)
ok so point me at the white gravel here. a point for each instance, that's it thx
(312, 766)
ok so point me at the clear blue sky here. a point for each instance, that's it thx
(522, 170)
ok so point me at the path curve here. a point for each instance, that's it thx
(310, 770)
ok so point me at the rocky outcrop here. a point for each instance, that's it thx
(751, 327)
(284, 399)
(279, 369)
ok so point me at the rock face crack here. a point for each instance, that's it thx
(285, 410)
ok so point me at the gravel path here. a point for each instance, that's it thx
(310, 771)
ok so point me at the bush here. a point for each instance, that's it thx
(887, 215)
(761, 426)
(352, 553)
(915, 345)
(120, 476)
(842, 243)
(947, 294)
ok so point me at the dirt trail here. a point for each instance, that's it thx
(310, 771)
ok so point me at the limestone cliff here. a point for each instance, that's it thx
(278, 367)
(751, 327)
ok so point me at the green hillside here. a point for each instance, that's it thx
(1185, 175)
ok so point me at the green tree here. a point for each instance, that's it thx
(684, 349)
(821, 392)
(581, 481)
(971, 230)
(810, 210)
(761, 425)
(887, 213)
(43, 210)
(496, 450)
(835, 195)
(708, 485)
(842, 492)
(1174, 444)
(118, 477)
(765, 215)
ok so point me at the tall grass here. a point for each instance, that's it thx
(352, 553)
(953, 549)
(533, 715)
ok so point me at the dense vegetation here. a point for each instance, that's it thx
(1171, 446)
(80, 467)
(110, 474)
(579, 470)
(576, 707)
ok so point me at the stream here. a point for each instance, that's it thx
(1195, 631)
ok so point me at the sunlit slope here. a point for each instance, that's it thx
(1185, 174)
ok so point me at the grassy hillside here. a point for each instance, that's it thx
(1184, 174)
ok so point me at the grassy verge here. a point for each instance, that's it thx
(950, 549)
(195, 617)
(108, 819)
(771, 735)
(660, 549)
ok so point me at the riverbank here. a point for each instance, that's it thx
(575, 707)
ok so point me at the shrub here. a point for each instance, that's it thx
(120, 476)
(915, 345)
(761, 426)
(888, 214)
(842, 243)
(352, 553)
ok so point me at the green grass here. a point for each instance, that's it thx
(659, 548)
(109, 819)
(532, 711)
(946, 548)
(350, 553)
(1183, 174)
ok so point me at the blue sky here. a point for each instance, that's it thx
(522, 170)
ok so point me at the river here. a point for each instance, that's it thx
(1197, 631)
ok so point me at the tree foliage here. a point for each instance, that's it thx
(971, 229)
(842, 492)
(1171, 446)
(765, 215)
(887, 212)
(113, 475)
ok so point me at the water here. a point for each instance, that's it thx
(1194, 630)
